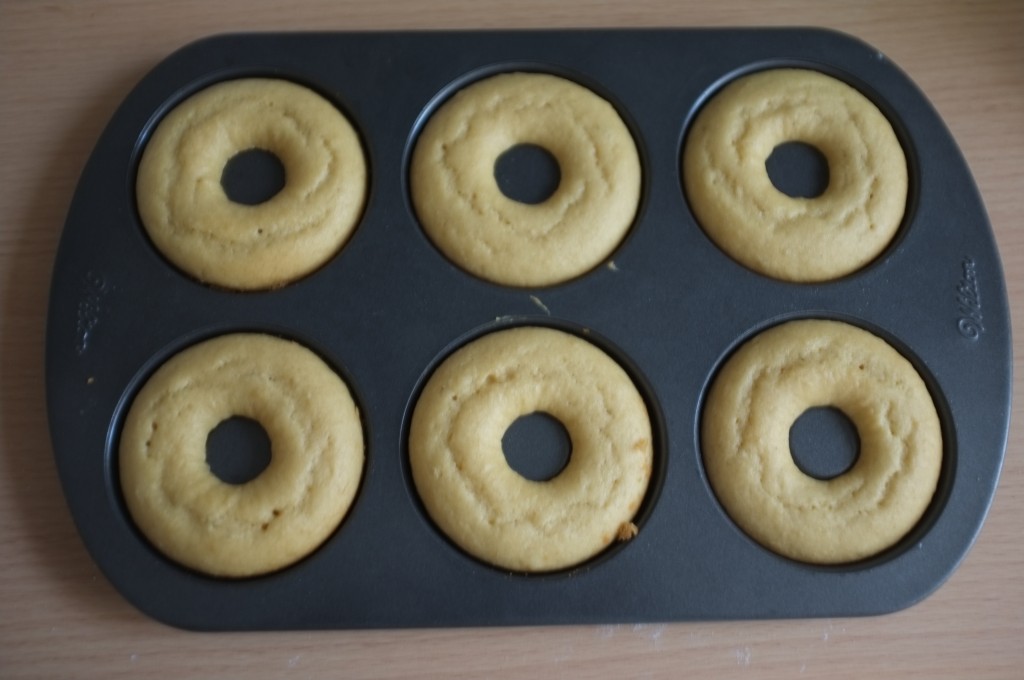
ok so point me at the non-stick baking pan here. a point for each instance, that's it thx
(668, 305)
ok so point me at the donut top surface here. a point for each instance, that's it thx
(284, 513)
(795, 238)
(489, 509)
(192, 221)
(745, 436)
(463, 210)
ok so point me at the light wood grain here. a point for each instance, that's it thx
(65, 66)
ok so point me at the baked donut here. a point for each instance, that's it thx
(190, 218)
(758, 395)
(284, 513)
(486, 507)
(463, 211)
(795, 239)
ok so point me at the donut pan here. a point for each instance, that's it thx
(668, 305)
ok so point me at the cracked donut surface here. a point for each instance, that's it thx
(481, 503)
(192, 221)
(770, 382)
(464, 212)
(794, 238)
(282, 514)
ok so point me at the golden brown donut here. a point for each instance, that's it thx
(795, 239)
(285, 512)
(190, 218)
(758, 395)
(465, 213)
(486, 507)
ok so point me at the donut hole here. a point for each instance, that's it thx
(537, 446)
(527, 173)
(253, 176)
(237, 450)
(824, 442)
(798, 170)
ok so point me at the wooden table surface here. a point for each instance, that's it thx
(65, 66)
